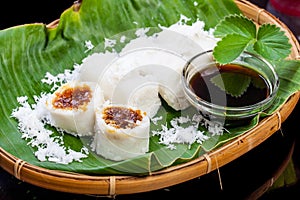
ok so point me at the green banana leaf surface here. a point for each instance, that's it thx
(29, 51)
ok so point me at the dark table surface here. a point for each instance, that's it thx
(249, 177)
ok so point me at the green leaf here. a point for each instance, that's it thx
(287, 177)
(289, 76)
(258, 83)
(236, 24)
(268, 41)
(271, 43)
(29, 51)
(230, 47)
(232, 83)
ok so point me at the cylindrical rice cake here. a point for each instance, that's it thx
(121, 132)
(72, 107)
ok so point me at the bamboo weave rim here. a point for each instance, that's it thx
(114, 185)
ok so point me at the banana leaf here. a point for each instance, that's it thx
(29, 51)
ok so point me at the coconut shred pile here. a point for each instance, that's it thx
(33, 118)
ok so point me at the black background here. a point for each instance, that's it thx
(241, 179)
(14, 13)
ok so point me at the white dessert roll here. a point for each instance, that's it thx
(72, 107)
(121, 132)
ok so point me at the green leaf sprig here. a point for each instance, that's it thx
(227, 83)
(238, 33)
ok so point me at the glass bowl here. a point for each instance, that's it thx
(233, 93)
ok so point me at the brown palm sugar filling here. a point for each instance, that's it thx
(73, 98)
(120, 117)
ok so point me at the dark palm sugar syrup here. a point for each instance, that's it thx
(256, 90)
(250, 87)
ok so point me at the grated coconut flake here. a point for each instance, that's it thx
(31, 125)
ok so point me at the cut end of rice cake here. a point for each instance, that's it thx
(71, 107)
(144, 97)
(121, 132)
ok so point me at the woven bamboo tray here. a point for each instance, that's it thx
(114, 185)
